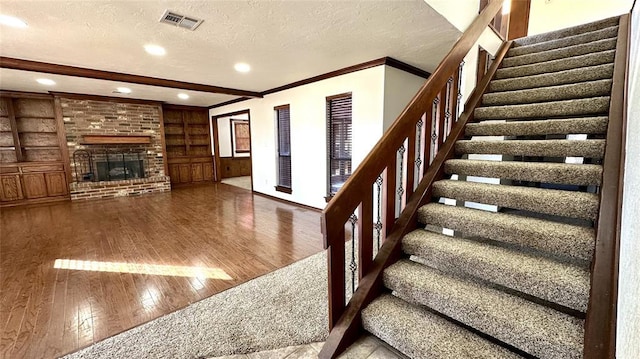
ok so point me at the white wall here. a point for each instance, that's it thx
(225, 134)
(399, 88)
(628, 331)
(550, 15)
(308, 131)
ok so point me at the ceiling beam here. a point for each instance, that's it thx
(28, 65)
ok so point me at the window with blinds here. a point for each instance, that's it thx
(283, 124)
(339, 141)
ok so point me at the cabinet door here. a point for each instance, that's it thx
(196, 172)
(207, 171)
(10, 188)
(174, 173)
(56, 184)
(35, 185)
(185, 173)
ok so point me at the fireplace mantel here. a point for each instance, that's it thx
(115, 139)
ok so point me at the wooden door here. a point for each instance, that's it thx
(35, 185)
(185, 172)
(196, 172)
(10, 188)
(56, 184)
(207, 171)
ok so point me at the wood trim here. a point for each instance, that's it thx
(600, 323)
(114, 139)
(28, 65)
(216, 149)
(62, 138)
(23, 94)
(163, 141)
(519, 19)
(283, 189)
(79, 96)
(230, 102)
(286, 201)
(340, 95)
(390, 61)
(348, 326)
(230, 114)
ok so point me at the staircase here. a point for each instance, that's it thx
(516, 282)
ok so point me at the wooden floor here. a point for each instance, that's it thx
(195, 242)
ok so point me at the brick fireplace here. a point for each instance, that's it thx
(101, 129)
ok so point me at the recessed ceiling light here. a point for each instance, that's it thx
(47, 82)
(242, 67)
(12, 21)
(123, 90)
(183, 96)
(155, 50)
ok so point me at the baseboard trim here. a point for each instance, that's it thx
(287, 202)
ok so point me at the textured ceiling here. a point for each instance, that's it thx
(283, 41)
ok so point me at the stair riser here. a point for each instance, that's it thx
(598, 58)
(549, 148)
(553, 202)
(596, 46)
(592, 73)
(549, 36)
(607, 33)
(576, 242)
(555, 93)
(563, 284)
(596, 125)
(503, 323)
(581, 107)
(579, 175)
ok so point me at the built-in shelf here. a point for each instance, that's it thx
(114, 140)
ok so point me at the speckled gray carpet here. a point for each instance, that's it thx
(286, 307)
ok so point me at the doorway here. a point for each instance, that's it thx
(232, 148)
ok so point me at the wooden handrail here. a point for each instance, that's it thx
(342, 205)
(600, 323)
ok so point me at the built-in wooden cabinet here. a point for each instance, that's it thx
(188, 143)
(32, 152)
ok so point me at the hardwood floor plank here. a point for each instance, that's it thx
(126, 261)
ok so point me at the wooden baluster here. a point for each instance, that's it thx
(379, 220)
(442, 110)
(411, 162)
(453, 100)
(365, 236)
(389, 196)
(335, 260)
(421, 163)
(428, 132)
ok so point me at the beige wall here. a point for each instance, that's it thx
(550, 15)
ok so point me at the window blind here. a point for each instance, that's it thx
(284, 146)
(339, 141)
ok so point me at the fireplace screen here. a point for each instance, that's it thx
(108, 165)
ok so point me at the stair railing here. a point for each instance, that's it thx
(398, 173)
(600, 322)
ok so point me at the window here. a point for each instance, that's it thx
(339, 141)
(283, 124)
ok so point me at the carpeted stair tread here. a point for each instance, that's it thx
(561, 283)
(582, 74)
(556, 202)
(548, 236)
(535, 329)
(569, 51)
(571, 31)
(586, 106)
(570, 63)
(552, 93)
(538, 148)
(418, 333)
(562, 173)
(588, 125)
(606, 33)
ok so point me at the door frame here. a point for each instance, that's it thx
(213, 121)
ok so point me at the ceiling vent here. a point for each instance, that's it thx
(187, 22)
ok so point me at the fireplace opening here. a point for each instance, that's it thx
(93, 166)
